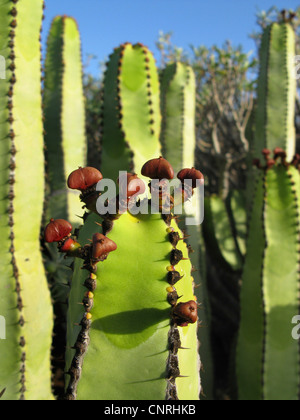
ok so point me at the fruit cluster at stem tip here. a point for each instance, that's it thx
(85, 180)
(279, 155)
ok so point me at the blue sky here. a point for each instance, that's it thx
(105, 24)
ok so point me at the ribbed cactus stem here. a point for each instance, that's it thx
(130, 110)
(178, 103)
(64, 116)
(131, 320)
(132, 302)
(25, 299)
(270, 287)
(274, 120)
(270, 283)
(178, 140)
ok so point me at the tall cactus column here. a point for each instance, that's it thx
(178, 140)
(24, 300)
(65, 139)
(178, 104)
(267, 354)
(64, 115)
(274, 117)
(130, 110)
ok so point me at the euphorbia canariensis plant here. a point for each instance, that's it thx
(25, 301)
(130, 112)
(267, 354)
(149, 315)
(65, 120)
(178, 141)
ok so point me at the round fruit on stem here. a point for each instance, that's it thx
(185, 313)
(57, 230)
(158, 168)
(101, 247)
(70, 246)
(83, 178)
(191, 175)
(86, 180)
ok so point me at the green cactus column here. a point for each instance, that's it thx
(130, 110)
(178, 140)
(267, 354)
(64, 108)
(132, 316)
(25, 300)
(128, 356)
(178, 104)
(64, 116)
(274, 117)
(267, 361)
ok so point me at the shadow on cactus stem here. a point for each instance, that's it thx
(131, 322)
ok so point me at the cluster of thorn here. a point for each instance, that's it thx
(82, 343)
(12, 167)
(174, 342)
(287, 16)
(80, 346)
(278, 156)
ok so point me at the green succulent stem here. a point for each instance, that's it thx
(178, 104)
(64, 107)
(274, 117)
(178, 140)
(25, 371)
(269, 296)
(131, 319)
(270, 284)
(130, 111)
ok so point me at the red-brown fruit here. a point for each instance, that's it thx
(134, 185)
(266, 153)
(185, 313)
(69, 245)
(278, 152)
(190, 174)
(102, 246)
(83, 178)
(57, 230)
(158, 169)
(270, 163)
